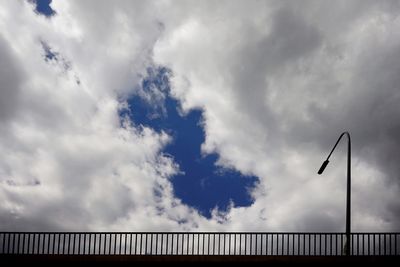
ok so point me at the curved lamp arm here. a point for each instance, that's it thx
(325, 163)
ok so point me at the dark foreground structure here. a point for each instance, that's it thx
(128, 247)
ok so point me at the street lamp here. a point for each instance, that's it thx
(348, 197)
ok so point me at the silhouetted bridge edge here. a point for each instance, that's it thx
(209, 246)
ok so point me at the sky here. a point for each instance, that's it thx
(198, 115)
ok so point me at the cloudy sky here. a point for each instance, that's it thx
(198, 115)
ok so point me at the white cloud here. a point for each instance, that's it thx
(67, 163)
(277, 81)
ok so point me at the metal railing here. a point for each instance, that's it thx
(197, 243)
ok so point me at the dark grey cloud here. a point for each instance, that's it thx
(11, 77)
(294, 76)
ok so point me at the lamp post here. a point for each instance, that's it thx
(348, 196)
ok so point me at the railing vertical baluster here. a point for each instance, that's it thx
(6, 247)
(136, 238)
(162, 244)
(357, 245)
(23, 243)
(16, 246)
(4, 243)
(283, 244)
(53, 246)
(48, 243)
(369, 244)
(79, 243)
(115, 243)
(33, 244)
(28, 244)
(384, 244)
(151, 243)
(363, 244)
(240, 243)
(182, 243)
(3, 249)
(208, 243)
(272, 244)
(256, 243)
(156, 252)
(43, 242)
(18, 242)
(329, 244)
(84, 243)
(101, 241)
(64, 238)
(95, 245)
(214, 245)
(177, 243)
(130, 243)
(251, 243)
(58, 241)
(89, 243)
(141, 241)
(374, 242)
(187, 243)
(99, 244)
(223, 244)
(120, 244)
(320, 245)
(104, 243)
(13, 242)
(380, 244)
(193, 250)
(172, 245)
(336, 244)
(198, 245)
(245, 244)
(69, 239)
(38, 245)
(203, 251)
(293, 236)
(9, 243)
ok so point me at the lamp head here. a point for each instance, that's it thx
(323, 166)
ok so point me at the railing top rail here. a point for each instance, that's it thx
(188, 232)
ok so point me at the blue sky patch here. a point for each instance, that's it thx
(43, 7)
(202, 184)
